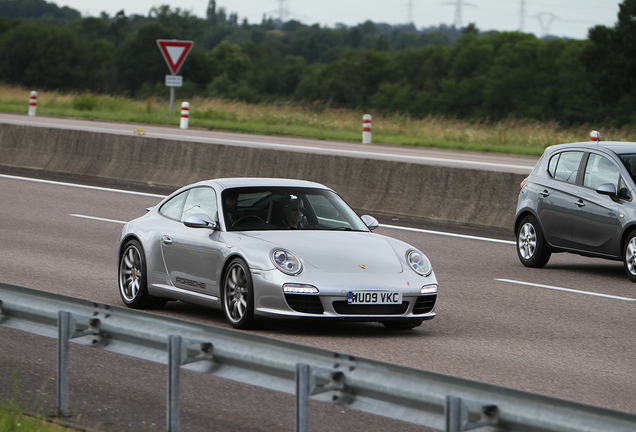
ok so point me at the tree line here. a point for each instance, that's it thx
(461, 73)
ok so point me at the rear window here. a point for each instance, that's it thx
(564, 166)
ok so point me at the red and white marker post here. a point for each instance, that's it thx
(595, 136)
(366, 129)
(185, 114)
(33, 103)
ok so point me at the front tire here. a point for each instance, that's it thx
(238, 295)
(629, 256)
(133, 282)
(532, 249)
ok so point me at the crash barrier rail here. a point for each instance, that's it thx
(424, 398)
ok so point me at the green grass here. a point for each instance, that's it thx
(13, 419)
(317, 121)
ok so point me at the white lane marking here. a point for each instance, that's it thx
(80, 186)
(566, 290)
(97, 218)
(215, 140)
(449, 234)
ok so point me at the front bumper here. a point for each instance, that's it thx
(331, 301)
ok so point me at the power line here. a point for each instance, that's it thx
(458, 11)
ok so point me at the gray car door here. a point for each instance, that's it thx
(192, 256)
(595, 219)
(556, 196)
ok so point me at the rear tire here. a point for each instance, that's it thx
(532, 249)
(133, 282)
(629, 256)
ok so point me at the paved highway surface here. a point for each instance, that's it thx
(566, 330)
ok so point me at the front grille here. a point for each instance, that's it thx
(304, 303)
(424, 304)
(344, 308)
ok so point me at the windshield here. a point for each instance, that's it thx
(280, 208)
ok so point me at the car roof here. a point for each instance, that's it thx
(619, 147)
(228, 183)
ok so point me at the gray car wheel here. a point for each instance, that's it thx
(133, 283)
(531, 245)
(629, 256)
(238, 295)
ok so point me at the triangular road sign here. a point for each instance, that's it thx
(174, 52)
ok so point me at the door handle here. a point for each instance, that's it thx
(580, 203)
(545, 193)
(166, 240)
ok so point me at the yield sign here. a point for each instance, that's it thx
(174, 52)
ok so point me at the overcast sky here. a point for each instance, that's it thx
(571, 18)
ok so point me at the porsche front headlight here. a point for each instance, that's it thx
(286, 262)
(419, 263)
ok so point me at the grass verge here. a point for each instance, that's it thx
(13, 419)
(317, 121)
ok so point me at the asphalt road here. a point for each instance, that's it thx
(498, 322)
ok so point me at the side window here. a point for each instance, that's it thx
(600, 170)
(172, 208)
(565, 166)
(200, 200)
(553, 165)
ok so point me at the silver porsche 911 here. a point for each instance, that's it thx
(272, 248)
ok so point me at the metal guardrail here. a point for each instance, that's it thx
(412, 395)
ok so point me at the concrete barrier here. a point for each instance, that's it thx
(383, 188)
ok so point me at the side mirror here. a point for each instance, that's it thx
(370, 222)
(199, 220)
(607, 189)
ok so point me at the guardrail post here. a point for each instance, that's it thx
(67, 328)
(177, 356)
(458, 415)
(311, 380)
(174, 363)
(302, 397)
(63, 335)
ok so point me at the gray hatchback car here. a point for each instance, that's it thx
(580, 198)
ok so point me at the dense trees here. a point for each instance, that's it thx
(374, 66)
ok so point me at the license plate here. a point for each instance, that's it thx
(374, 297)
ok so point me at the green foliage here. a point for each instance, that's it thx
(37, 9)
(86, 102)
(457, 73)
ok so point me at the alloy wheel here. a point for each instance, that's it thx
(130, 273)
(527, 241)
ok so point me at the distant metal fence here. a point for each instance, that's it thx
(412, 395)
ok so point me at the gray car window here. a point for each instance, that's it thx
(567, 166)
(172, 208)
(600, 170)
(200, 200)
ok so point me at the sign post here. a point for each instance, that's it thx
(174, 52)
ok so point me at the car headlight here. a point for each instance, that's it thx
(419, 263)
(286, 262)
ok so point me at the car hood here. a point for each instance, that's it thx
(336, 251)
